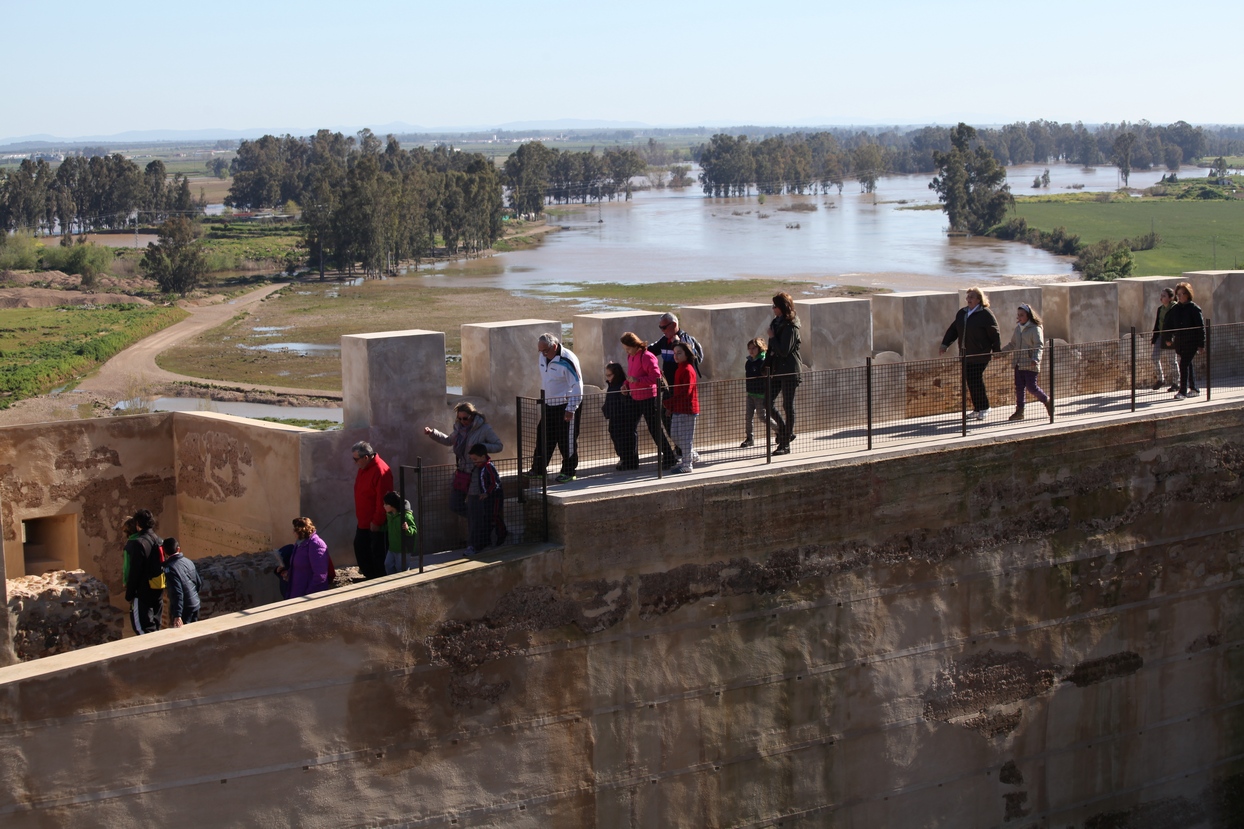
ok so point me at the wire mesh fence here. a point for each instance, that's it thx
(451, 522)
(882, 403)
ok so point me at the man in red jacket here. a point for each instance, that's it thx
(373, 481)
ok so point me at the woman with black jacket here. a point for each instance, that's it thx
(1185, 330)
(976, 330)
(784, 364)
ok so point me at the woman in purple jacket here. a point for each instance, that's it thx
(308, 565)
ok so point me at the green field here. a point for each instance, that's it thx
(41, 348)
(1196, 235)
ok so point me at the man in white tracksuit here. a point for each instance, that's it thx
(562, 382)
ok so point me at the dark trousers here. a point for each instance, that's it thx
(974, 375)
(622, 427)
(784, 385)
(369, 550)
(555, 431)
(652, 411)
(1187, 373)
(146, 610)
(483, 516)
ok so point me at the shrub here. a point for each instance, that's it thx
(19, 252)
(87, 259)
(1105, 261)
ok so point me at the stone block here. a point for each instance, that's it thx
(384, 375)
(499, 363)
(724, 330)
(912, 323)
(836, 332)
(597, 339)
(1080, 312)
(1219, 293)
(1138, 302)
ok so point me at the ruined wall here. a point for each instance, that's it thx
(60, 612)
(1032, 631)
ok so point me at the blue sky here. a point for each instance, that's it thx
(77, 68)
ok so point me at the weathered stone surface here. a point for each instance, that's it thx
(912, 323)
(1080, 312)
(60, 612)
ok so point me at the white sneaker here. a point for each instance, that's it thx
(1181, 396)
(695, 456)
(982, 414)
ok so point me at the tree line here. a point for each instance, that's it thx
(370, 203)
(798, 162)
(91, 193)
(536, 175)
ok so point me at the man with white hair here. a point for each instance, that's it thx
(562, 381)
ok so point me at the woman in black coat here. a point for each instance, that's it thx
(784, 364)
(1185, 330)
(976, 330)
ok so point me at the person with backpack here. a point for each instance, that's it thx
(399, 524)
(144, 585)
(671, 335)
(183, 584)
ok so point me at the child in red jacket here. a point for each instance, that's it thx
(684, 405)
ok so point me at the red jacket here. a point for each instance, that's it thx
(370, 486)
(686, 394)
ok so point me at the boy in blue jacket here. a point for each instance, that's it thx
(485, 502)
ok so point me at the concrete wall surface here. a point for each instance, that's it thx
(1039, 630)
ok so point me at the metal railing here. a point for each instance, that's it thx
(876, 405)
(524, 510)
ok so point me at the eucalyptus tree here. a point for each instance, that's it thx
(971, 184)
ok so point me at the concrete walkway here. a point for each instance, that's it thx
(136, 365)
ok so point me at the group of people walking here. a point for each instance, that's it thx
(151, 567)
(1178, 328)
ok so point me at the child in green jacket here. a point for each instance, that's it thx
(399, 525)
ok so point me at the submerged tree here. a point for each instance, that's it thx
(970, 184)
(1123, 154)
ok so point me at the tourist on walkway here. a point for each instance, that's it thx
(643, 376)
(373, 480)
(470, 428)
(663, 349)
(976, 330)
(184, 584)
(753, 370)
(399, 525)
(684, 405)
(617, 410)
(485, 502)
(1185, 331)
(782, 361)
(562, 381)
(308, 566)
(1027, 345)
(144, 585)
(1161, 346)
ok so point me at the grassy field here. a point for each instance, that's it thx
(320, 313)
(41, 348)
(237, 245)
(1196, 235)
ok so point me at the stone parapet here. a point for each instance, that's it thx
(597, 339)
(1080, 312)
(500, 362)
(1139, 301)
(912, 323)
(836, 332)
(723, 331)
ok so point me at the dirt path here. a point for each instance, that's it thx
(136, 365)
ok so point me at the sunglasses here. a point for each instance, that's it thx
(665, 325)
(464, 418)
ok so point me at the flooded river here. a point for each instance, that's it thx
(854, 239)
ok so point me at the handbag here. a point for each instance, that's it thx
(462, 481)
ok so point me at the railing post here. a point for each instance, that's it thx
(868, 368)
(963, 393)
(1209, 359)
(1050, 349)
(1133, 368)
(401, 489)
(522, 473)
(422, 531)
(768, 412)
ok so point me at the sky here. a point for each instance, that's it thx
(75, 69)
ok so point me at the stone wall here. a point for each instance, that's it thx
(60, 612)
(1033, 630)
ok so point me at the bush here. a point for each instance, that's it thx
(87, 259)
(1105, 261)
(19, 252)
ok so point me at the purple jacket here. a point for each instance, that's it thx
(308, 567)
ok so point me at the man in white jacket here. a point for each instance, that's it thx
(562, 382)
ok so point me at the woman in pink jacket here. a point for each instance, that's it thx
(642, 376)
